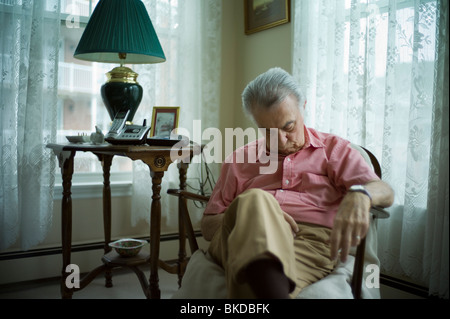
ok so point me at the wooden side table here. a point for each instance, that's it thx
(158, 159)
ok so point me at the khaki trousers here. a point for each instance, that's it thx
(253, 227)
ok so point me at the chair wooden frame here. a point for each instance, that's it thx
(358, 268)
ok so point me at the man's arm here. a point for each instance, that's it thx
(210, 224)
(352, 219)
(382, 194)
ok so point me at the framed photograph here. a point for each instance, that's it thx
(264, 14)
(164, 120)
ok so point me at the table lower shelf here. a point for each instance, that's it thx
(114, 259)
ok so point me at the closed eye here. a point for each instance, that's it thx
(289, 126)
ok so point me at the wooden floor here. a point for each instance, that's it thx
(125, 286)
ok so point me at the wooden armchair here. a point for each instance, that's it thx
(356, 282)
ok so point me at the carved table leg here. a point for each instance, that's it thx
(66, 163)
(106, 164)
(155, 232)
(182, 169)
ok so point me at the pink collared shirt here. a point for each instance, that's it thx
(309, 184)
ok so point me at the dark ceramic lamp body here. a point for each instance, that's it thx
(121, 92)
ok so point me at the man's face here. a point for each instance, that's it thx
(285, 117)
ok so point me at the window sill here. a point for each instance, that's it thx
(90, 185)
(93, 190)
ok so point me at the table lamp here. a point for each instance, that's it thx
(120, 31)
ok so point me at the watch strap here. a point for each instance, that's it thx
(360, 189)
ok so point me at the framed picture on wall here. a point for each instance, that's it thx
(164, 120)
(264, 14)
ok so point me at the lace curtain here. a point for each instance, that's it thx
(190, 34)
(376, 73)
(29, 36)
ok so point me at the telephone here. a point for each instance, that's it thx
(121, 133)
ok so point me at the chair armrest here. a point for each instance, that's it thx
(379, 212)
(187, 195)
(376, 212)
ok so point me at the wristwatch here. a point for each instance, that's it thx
(360, 189)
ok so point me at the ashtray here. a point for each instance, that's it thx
(78, 138)
(128, 247)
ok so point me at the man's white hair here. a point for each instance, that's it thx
(269, 89)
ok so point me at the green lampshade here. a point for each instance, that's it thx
(120, 26)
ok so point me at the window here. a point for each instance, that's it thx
(80, 106)
(370, 72)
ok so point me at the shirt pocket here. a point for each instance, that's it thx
(317, 190)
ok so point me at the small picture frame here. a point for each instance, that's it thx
(265, 14)
(164, 121)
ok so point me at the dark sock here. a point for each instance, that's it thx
(267, 279)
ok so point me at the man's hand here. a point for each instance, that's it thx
(288, 218)
(350, 224)
(352, 219)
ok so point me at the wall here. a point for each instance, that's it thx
(243, 58)
(256, 53)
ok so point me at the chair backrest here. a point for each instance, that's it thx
(370, 158)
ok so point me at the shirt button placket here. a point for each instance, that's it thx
(287, 172)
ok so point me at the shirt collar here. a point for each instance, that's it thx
(311, 139)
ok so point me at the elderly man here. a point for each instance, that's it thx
(274, 234)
